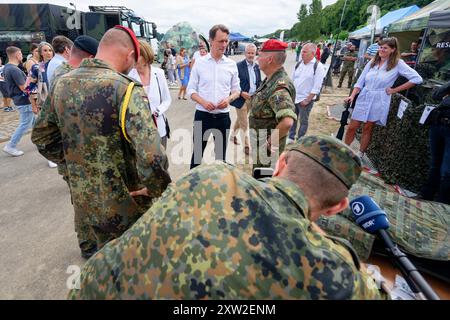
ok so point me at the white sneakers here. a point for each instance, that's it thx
(12, 151)
(52, 164)
(17, 153)
(289, 140)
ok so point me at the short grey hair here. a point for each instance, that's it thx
(312, 45)
(279, 57)
(250, 45)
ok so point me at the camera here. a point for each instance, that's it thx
(259, 173)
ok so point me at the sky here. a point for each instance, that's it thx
(249, 17)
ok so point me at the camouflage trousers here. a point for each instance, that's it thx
(349, 71)
(86, 238)
(260, 153)
(93, 231)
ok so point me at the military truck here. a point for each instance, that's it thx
(102, 18)
(23, 24)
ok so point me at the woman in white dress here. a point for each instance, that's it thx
(374, 88)
(155, 85)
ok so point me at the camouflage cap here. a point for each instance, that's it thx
(332, 154)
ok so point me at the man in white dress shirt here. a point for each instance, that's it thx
(213, 85)
(308, 77)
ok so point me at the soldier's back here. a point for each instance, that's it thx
(217, 233)
(100, 162)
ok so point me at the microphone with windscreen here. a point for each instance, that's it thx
(369, 216)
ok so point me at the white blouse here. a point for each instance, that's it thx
(158, 94)
(373, 102)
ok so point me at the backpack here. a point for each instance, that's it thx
(315, 68)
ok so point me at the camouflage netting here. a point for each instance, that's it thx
(181, 35)
(400, 151)
(420, 228)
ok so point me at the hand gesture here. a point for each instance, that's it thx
(223, 104)
(349, 99)
(142, 192)
(209, 106)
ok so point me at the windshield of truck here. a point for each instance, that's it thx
(137, 29)
(436, 54)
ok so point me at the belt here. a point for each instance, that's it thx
(215, 115)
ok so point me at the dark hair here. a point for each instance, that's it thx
(60, 43)
(214, 29)
(393, 58)
(33, 47)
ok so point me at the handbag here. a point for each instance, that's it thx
(166, 122)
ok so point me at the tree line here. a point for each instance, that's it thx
(316, 22)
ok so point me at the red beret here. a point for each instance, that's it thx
(274, 45)
(135, 41)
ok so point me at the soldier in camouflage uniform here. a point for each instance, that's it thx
(83, 47)
(348, 66)
(272, 109)
(218, 233)
(80, 128)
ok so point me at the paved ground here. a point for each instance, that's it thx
(38, 242)
(8, 123)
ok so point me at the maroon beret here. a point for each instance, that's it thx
(274, 45)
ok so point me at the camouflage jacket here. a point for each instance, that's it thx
(79, 127)
(217, 233)
(272, 101)
(60, 71)
(349, 64)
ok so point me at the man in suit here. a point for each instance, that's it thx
(250, 78)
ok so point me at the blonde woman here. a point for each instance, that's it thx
(374, 88)
(154, 82)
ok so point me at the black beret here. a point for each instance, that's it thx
(87, 44)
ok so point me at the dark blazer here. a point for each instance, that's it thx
(244, 79)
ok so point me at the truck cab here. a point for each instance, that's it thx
(102, 18)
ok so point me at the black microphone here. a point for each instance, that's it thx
(369, 216)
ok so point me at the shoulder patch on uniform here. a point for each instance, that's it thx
(130, 79)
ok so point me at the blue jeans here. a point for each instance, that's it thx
(26, 122)
(302, 117)
(439, 175)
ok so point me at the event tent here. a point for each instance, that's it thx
(418, 20)
(384, 21)
(236, 36)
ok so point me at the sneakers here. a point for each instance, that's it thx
(52, 164)
(12, 151)
(360, 154)
(8, 109)
(289, 140)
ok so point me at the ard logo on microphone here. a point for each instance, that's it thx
(358, 208)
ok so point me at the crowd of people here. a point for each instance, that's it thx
(98, 112)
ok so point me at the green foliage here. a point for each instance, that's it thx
(314, 21)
